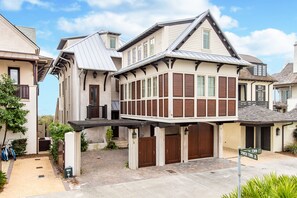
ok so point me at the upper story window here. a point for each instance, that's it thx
(260, 93)
(206, 39)
(200, 86)
(129, 57)
(145, 49)
(134, 55)
(130, 91)
(143, 88)
(260, 70)
(155, 82)
(125, 92)
(152, 46)
(14, 74)
(112, 42)
(149, 87)
(211, 86)
(139, 51)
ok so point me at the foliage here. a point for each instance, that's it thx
(269, 186)
(12, 116)
(127, 164)
(46, 120)
(57, 131)
(3, 180)
(292, 148)
(111, 145)
(19, 146)
(84, 142)
(109, 135)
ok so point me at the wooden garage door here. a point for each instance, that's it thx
(172, 148)
(147, 151)
(200, 141)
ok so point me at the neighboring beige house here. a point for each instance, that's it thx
(87, 89)
(181, 78)
(20, 58)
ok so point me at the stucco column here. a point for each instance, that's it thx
(215, 141)
(220, 141)
(258, 137)
(184, 145)
(160, 146)
(133, 149)
(73, 152)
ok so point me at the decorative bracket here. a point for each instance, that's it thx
(219, 66)
(166, 61)
(144, 70)
(239, 68)
(172, 62)
(197, 63)
(85, 79)
(105, 78)
(134, 73)
(125, 76)
(155, 65)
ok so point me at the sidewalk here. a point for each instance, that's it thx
(32, 176)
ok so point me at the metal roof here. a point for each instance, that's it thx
(91, 54)
(251, 59)
(64, 40)
(114, 53)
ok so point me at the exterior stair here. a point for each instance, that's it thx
(121, 143)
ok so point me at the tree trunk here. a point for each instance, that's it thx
(5, 132)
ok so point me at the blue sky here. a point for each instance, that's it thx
(261, 28)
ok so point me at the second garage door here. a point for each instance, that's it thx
(200, 141)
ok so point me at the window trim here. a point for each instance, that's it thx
(155, 88)
(209, 32)
(139, 52)
(214, 86)
(149, 87)
(134, 55)
(145, 52)
(203, 86)
(143, 88)
(19, 76)
(152, 52)
(129, 57)
(115, 42)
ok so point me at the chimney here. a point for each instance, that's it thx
(295, 58)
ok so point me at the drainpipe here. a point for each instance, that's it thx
(283, 135)
(252, 90)
(269, 93)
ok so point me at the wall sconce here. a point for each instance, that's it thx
(186, 131)
(94, 74)
(134, 134)
(277, 131)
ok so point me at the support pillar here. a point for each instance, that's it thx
(73, 152)
(184, 145)
(133, 149)
(258, 137)
(220, 141)
(160, 146)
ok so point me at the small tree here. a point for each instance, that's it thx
(12, 116)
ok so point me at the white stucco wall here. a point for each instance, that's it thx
(234, 135)
(276, 140)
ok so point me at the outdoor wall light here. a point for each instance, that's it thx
(134, 135)
(277, 131)
(186, 131)
(94, 74)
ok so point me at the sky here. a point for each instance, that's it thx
(266, 29)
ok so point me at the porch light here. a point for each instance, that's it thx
(277, 131)
(134, 135)
(94, 74)
(186, 131)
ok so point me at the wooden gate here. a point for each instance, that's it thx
(172, 148)
(200, 141)
(249, 137)
(265, 138)
(146, 151)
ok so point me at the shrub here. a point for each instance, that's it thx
(109, 134)
(292, 148)
(295, 134)
(269, 186)
(19, 146)
(111, 145)
(3, 180)
(84, 143)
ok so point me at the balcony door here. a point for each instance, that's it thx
(94, 101)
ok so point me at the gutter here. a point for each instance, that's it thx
(283, 135)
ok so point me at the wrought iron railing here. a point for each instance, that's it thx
(242, 104)
(96, 111)
(23, 91)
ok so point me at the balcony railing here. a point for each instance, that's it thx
(242, 104)
(96, 111)
(23, 91)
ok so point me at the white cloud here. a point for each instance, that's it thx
(266, 42)
(140, 15)
(47, 53)
(15, 5)
(72, 7)
(235, 9)
(43, 34)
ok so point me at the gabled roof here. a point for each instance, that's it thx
(286, 76)
(64, 40)
(251, 59)
(90, 54)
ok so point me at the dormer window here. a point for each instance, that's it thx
(206, 39)
(112, 42)
(129, 57)
(139, 51)
(134, 55)
(260, 70)
(145, 49)
(152, 46)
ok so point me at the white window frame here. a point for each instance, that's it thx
(139, 53)
(129, 57)
(203, 95)
(214, 86)
(134, 55)
(111, 38)
(143, 87)
(149, 87)
(125, 92)
(130, 91)
(145, 49)
(203, 41)
(152, 46)
(155, 86)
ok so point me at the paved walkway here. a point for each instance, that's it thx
(26, 178)
(207, 184)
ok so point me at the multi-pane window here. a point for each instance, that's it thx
(155, 86)
(129, 57)
(145, 50)
(211, 86)
(139, 50)
(143, 88)
(125, 92)
(130, 91)
(260, 70)
(206, 39)
(260, 93)
(14, 74)
(152, 46)
(149, 87)
(134, 55)
(200, 86)
(112, 42)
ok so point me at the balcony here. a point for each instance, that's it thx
(96, 111)
(242, 104)
(23, 91)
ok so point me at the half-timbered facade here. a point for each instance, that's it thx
(177, 74)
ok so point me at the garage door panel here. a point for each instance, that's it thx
(147, 151)
(172, 149)
(193, 149)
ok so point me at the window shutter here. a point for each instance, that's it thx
(222, 87)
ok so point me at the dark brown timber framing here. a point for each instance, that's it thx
(106, 74)
(85, 79)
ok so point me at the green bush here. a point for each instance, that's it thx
(295, 134)
(269, 186)
(3, 180)
(111, 145)
(292, 148)
(19, 146)
(109, 134)
(84, 143)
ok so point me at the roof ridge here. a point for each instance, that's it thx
(74, 44)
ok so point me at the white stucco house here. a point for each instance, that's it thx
(20, 58)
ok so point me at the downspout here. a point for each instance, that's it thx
(283, 135)
(252, 90)
(269, 94)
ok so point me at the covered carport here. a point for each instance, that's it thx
(73, 144)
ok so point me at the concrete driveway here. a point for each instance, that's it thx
(204, 184)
